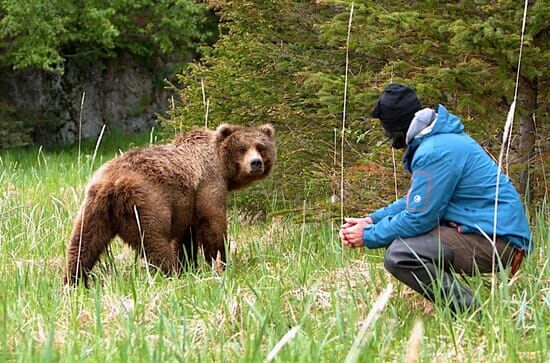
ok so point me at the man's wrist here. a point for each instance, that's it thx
(365, 232)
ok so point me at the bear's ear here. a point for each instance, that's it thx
(267, 129)
(224, 130)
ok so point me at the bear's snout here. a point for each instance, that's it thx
(256, 165)
(253, 162)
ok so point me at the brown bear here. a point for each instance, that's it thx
(167, 201)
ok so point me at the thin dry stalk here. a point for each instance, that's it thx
(303, 231)
(80, 125)
(394, 173)
(508, 129)
(151, 138)
(218, 266)
(173, 107)
(79, 244)
(344, 119)
(495, 259)
(141, 237)
(40, 158)
(172, 113)
(414, 344)
(206, 104)
(281, 343)
(97, 146)
(203, 92)
(509, 141)
(374, 312)
(334, 197)
(489, 153)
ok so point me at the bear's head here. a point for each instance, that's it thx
(247, 153)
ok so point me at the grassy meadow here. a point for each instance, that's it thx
(284, 276)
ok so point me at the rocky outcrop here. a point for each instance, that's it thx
(123, 92)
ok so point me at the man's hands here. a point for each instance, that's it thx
(351, 232)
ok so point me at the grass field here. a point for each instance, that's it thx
(282, 277)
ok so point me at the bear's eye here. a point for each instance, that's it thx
(260, 148)
(243, 150)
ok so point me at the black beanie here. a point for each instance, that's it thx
(396, 107)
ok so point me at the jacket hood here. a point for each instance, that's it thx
(446, 122)
(421, 124)
(426, 123)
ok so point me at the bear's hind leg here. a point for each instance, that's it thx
(159, 252)
(145, 218)
(91, 235)
(147, 233)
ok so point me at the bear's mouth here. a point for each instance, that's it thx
(256, 171)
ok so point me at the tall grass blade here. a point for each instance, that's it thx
(509, 119)
(343, 133)
(206, 104)
(394, 173)
(281, 343)
(141, 237)
(79, 245)
(374, 312)
(80, 126)
(97, 147)
(414, 344)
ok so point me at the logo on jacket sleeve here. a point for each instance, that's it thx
(418, 198)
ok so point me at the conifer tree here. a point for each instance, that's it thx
(284, 62)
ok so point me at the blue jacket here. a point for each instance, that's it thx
(453, 180)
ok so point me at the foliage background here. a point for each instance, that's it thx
(284, 62)
(43, 34)
(66, 43)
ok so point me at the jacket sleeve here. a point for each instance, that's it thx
(390, 210)
(434, 179)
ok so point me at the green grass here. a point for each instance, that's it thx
(281, 274)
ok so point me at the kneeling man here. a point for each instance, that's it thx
(438, 227)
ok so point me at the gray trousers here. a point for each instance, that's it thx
(426, 263)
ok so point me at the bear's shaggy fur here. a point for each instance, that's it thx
(167, 201)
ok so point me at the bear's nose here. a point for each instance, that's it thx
(256, 164)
